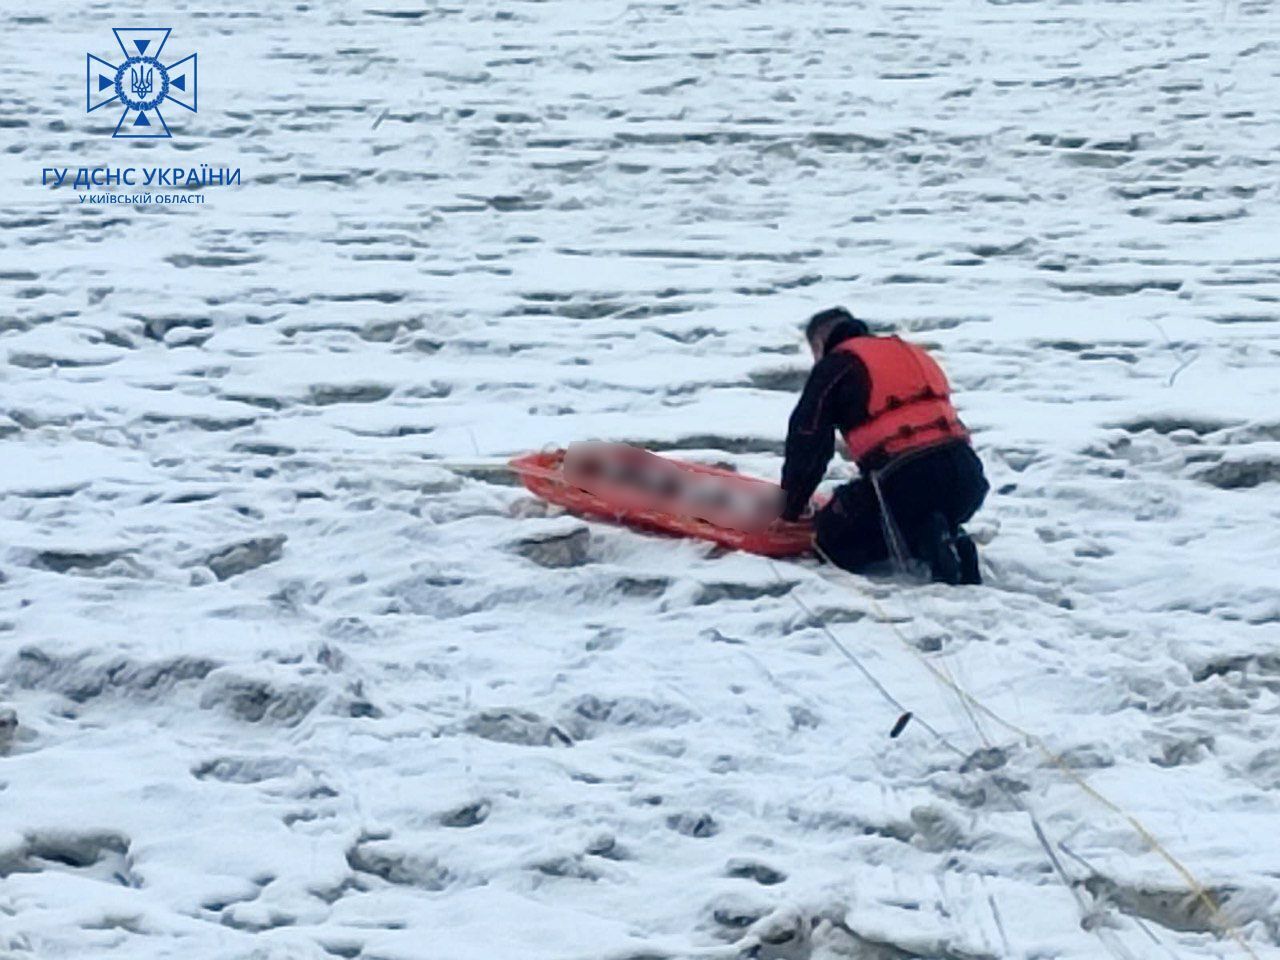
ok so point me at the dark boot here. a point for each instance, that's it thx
(936, 546)
(967, 550)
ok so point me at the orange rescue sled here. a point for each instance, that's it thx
(543, 474)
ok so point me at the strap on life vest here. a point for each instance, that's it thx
(909, 405)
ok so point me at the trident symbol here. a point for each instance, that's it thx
(140, 82)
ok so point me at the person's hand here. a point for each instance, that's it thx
(805, 516)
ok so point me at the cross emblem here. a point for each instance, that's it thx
(142, 82)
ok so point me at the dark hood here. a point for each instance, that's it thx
(842, 331)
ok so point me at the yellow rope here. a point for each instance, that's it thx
(1198, 889)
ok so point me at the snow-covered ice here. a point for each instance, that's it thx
(297, 674)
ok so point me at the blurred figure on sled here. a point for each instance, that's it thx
(634, 478)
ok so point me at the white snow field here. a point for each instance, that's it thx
(274, 684)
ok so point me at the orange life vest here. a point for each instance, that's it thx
(909, 406)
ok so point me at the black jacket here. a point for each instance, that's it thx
(834, 398)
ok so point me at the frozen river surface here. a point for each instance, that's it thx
(286, 688)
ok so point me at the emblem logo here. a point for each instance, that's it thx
(142, 83)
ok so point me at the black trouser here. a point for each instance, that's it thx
(946, 479)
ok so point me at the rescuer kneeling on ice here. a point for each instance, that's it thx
(920, 479)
